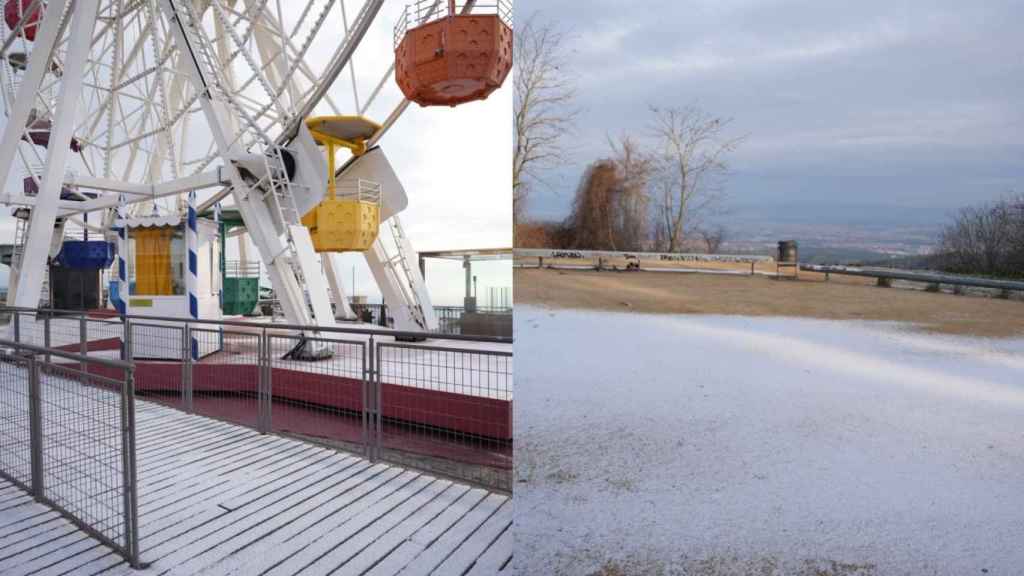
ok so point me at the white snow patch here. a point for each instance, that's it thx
(729, 445)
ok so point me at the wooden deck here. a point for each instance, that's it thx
(220, 499)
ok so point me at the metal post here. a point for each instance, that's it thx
(17, 327)
(129, 479)
(126, 346)
(186, 367)
(364, 392)
(83, 328)
(35, 411)
(264, 386)
(378, 431)
(370, 402)
(46, 335)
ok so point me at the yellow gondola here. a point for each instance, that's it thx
(348, 217)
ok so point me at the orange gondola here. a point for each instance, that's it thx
(460, 57)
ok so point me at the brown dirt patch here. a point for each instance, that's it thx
(810, 297)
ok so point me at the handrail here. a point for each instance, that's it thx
(297, 327)
(42, 350)
(559, 253)
(913, 276)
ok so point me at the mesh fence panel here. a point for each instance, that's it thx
(15, 438)
(159, 350)
(449, 404)
(83, 461)
(225, 381)
(323, 399)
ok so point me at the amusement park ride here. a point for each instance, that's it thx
(118, 112)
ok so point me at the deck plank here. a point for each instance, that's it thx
(216, 498)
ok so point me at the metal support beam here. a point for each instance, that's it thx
(257, 216)
(38, 64)
(332, 268)
(44, 215)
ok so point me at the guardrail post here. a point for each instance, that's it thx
(46, 335)
(375, 399)
(83, 333)
(186, 367)
(264, 392)
(129, 478)
(126, 345)
(35, 415)
(369, 410)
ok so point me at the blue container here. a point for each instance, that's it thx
(88, 254)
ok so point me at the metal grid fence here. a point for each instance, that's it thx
(443, 405)
(449, 403)
(68, 437)
(15, 434)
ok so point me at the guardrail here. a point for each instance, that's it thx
(68, 436)
(450, 318)
(911, 276)
(444, 405)
(639, 256)
(600, 259)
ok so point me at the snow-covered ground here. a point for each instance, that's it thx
(729, 445)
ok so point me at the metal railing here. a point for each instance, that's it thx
(425, 11)
(359, 190)
(928, 277)
(68, 436)
(449, 318)
(443, 405)
(242, 268)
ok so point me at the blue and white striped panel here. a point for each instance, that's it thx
(192, 279)
(121, 303)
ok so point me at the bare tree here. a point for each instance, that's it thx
(610, 208)
(985, 239)
(713, 238)
(592, 220)
(690, 169)
(633, 166)
(542, 109)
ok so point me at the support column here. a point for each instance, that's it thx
(44, 214)
(468, 302)
(332, 268)
(24, 100)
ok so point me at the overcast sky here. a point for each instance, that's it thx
(910, 107)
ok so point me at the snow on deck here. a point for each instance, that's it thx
(655, 444)
(220, 499)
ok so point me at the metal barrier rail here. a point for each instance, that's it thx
(908, 275)
(557, 254)
(449, 403)
(449, 317)
(68, 436)
(423, 12)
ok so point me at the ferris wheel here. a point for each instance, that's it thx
(120, 111)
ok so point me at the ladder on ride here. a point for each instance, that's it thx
(20, 234)
(275, 187)
(400, 261)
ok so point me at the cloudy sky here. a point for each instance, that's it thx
(909, 108)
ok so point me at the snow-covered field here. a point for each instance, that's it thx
(728, 445)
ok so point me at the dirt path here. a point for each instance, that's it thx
(676, 293)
